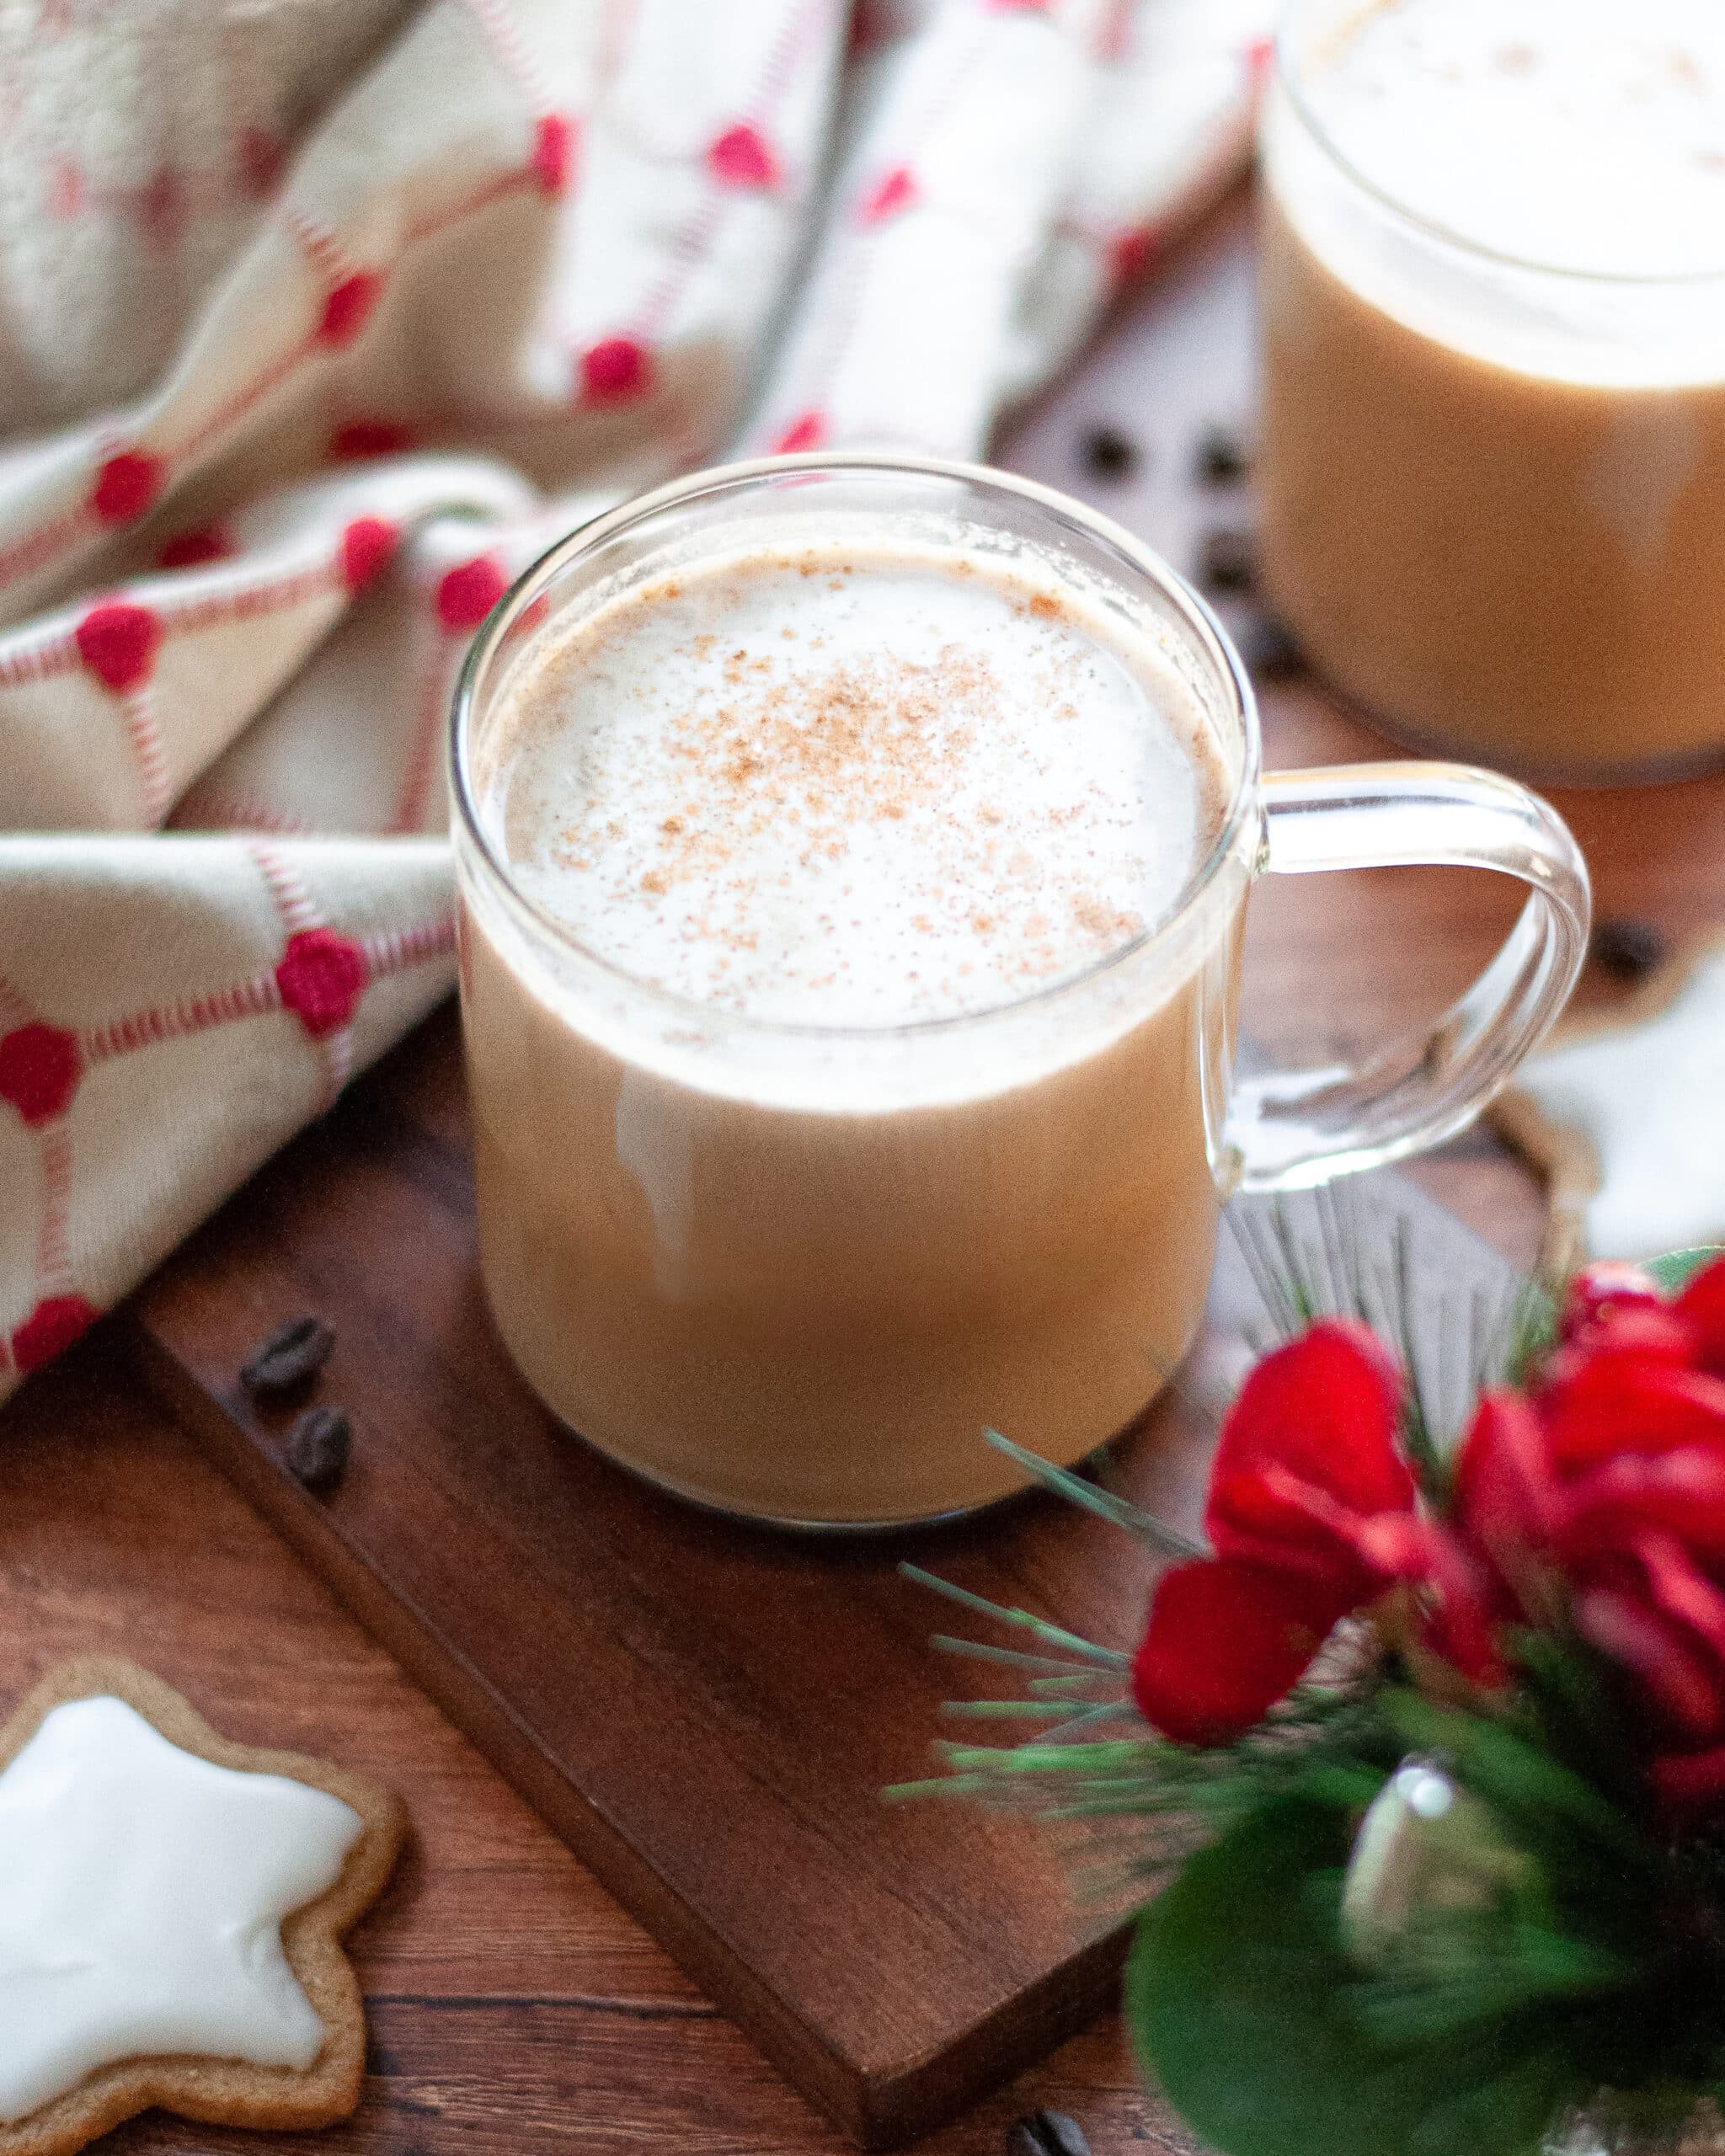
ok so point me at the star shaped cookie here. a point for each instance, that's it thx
(171, 1907)
(1626, 1116)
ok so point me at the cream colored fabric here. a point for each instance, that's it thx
(318, 320)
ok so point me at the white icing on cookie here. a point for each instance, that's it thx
(1648, 1100)
(142, 1894)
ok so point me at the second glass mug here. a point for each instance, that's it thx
(793, 1272)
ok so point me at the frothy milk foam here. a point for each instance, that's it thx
(759, 1230)
(1585, 135)
(844, 788)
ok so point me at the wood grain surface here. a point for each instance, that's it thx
(514, 2006)
(707, 1713)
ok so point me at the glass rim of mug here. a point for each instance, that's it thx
(1195, 613)
(1288, 75)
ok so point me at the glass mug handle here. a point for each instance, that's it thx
(1287, 1130)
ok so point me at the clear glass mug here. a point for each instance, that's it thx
(1492, 491)
(793, 1271)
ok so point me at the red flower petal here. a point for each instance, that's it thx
(1226, 1639)
(1459, 1612)
(1681, 1493)
(1682, 1591)
(1701, 1305)
(1631, 1330)
(1615, 1403)
(1690, 1782)
(1505, 1499)
(1654, 1651)
(1609, 1284)
(1325, 1410)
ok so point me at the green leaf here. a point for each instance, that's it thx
(1678, 1267)
(1238, 1996)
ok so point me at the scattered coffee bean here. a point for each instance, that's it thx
(1223, 457)
(1046, 2133)
(1270, 648)
(1229, 560)
(290, 1358)
(317, 1447)
(1109, 454)
(1629, 949)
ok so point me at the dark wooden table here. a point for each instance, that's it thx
(513, 2007)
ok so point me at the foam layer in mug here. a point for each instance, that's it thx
(1583, 135)
(853, 786)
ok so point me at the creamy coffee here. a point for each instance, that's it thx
(764, 1211)
(1494, 328)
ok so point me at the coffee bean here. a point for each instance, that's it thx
(1223, 457)
(318, 1447)
(1629, 949)
(1270, 648)
(290, 1358)
(1228, 561)
(1110, 454)
(1046, 2133)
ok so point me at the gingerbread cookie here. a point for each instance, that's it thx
(1625, 1115)
(171, 1909)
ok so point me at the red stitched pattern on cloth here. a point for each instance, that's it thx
(39, 1068)
(232, 600)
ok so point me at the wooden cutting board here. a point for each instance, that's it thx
(706, 1713)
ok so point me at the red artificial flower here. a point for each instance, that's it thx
(1603, 1491)
(1702, 1307)
(1226, 1639)
(1311, 1514)
(1607, 1288)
